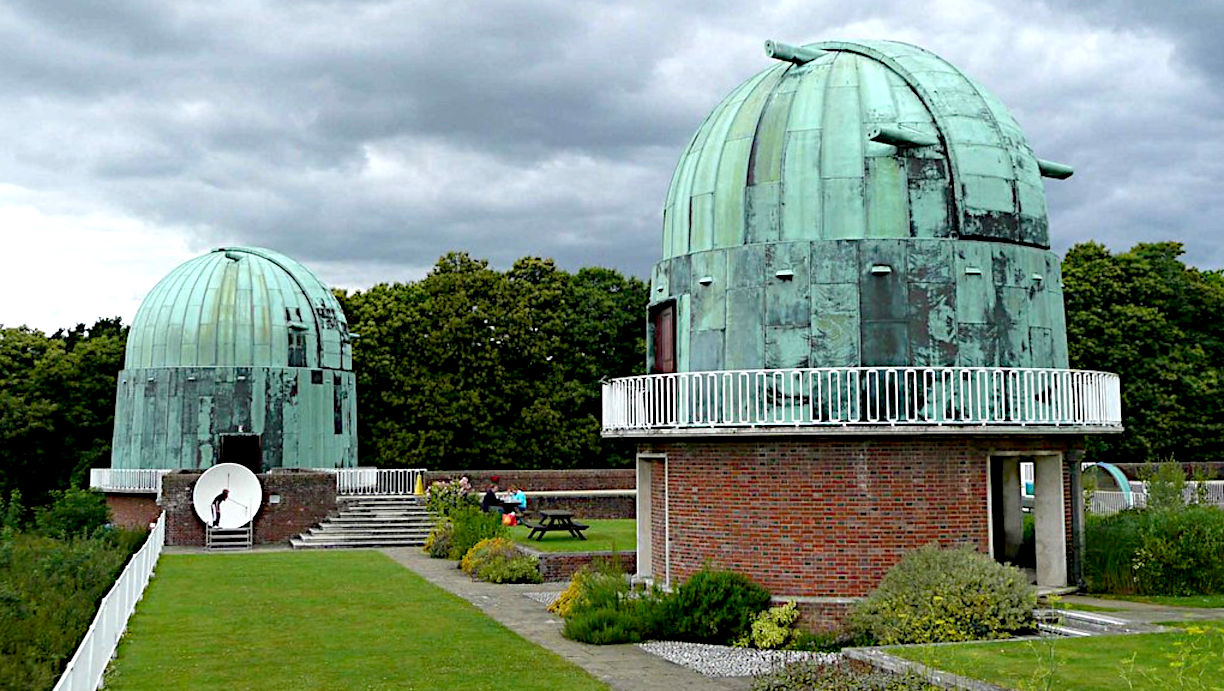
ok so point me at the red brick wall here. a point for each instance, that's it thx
(560, 566)
(618, 478)
(822, 516)
(305, 499)
(588, 506)
(133, 510)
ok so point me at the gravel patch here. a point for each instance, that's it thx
(726, 661)
(545, 598)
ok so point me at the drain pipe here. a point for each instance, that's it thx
(667, 524)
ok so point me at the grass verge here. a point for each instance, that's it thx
(1189, 659)
(605, 534)
(319, 620)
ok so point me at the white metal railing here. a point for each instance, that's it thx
(126, 479)
(378, 481)
(1110, 502)
(864, 396)
(85, 669)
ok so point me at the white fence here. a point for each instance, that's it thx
(126, 479)
(849, 396)
(1109, 502)
(85, 669)
(378, 481)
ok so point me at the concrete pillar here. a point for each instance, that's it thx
(1050, 521)
(1013, 520)
(645, 562)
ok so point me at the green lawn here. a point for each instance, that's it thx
(320, 620)
(605, 534)
(1171, 600)
(1191, 659)
(1086, 608)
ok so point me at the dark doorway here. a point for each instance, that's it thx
(243, 449)
(663, 338)
(1012, 528)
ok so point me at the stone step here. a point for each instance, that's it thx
(332, 530)
(299, 543)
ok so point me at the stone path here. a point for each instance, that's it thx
(625, 667)
(1143, 612)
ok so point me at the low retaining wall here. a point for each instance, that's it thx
(588, 504)
(560, 566)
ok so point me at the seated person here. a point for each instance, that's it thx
(490, 501)
(518, 497)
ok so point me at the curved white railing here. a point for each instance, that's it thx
(126, 479)
(872, 397)
(85, 669)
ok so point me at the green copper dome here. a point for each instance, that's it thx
(788, 156)
(857, 204)
(240, 306)
(241, 355)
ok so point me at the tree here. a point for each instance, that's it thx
(471, 367)
(1148, 317)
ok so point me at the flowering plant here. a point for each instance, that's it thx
(444, 497)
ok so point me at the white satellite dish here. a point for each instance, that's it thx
(227, 496)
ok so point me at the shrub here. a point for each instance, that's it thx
(842, 675)
(444, 497)
(497, 560)
(73, 513)
(711, 607)
(438, 544)
(934, 595)
(49, 593)
(832, 641)
(605, 626)
(1166, 485)
(597, 586)
(774, 628)
(520, 569)
(1156, 552)
(471, 526)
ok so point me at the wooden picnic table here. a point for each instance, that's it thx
(555, 519)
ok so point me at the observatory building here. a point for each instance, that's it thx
(243, 356)
(856, 334)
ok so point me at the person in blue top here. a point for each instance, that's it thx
(517, 496)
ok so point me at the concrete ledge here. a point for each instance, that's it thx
(583, 493)
(879, 659)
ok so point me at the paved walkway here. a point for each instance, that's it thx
(1143, 612)
(624, 667)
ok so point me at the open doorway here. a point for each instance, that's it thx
(1028, 517)
(243, 449)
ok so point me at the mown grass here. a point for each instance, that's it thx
(320, 620)
(605, 534)
(1189, 659)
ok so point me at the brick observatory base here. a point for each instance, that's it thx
(133, 510)
(305, 499)
(822, 519)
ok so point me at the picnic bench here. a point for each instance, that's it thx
(551, 520)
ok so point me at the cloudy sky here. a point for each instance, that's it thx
(366, 138)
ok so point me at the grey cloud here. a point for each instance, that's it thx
(509, 129)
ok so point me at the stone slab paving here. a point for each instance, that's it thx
(623, 667)
(1144, 612)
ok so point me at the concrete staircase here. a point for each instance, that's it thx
(371, 522)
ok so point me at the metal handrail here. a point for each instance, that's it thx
(378, 481)
(126, 479)
(864, 396)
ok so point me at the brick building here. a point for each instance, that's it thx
(856, 334)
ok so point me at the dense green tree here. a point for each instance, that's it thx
(57, 398)
(471, 367)
(1148, 317)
